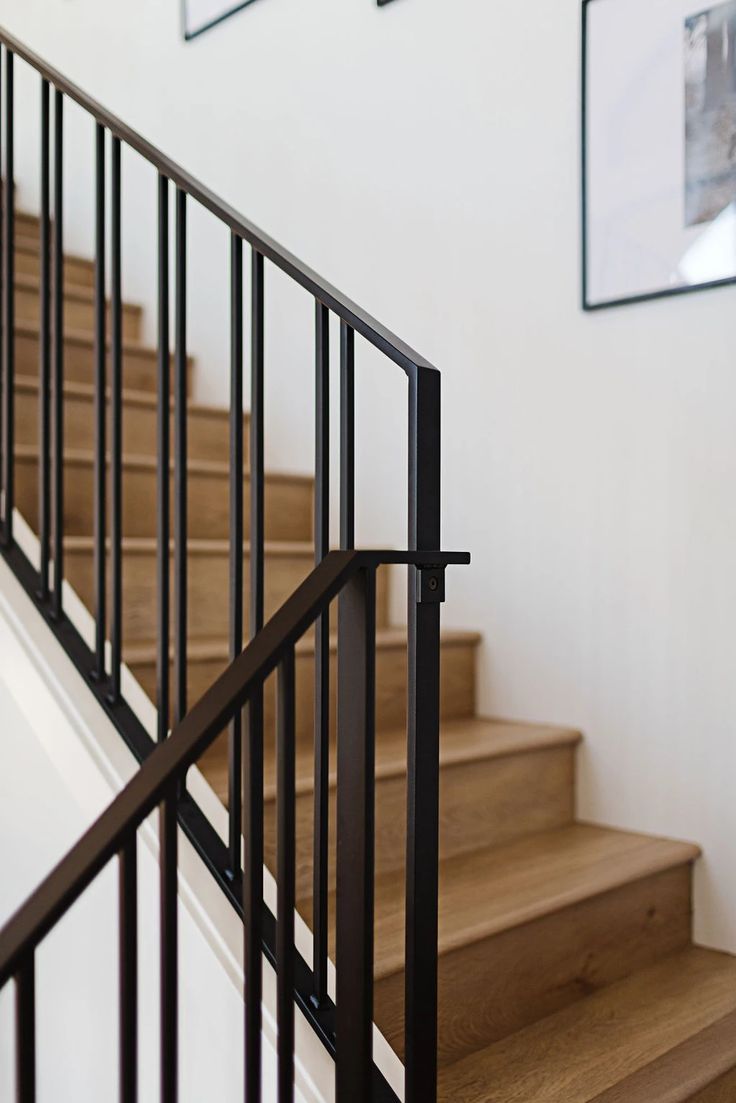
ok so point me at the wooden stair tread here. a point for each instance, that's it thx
(142, 399)
(27, 218)
(469, 739)
(692, 1066)
(85, 338)
(579, 1054)
(147, 545)
(74, 291)
(484, 892)
(217, 649)
(461, 741)
(85, 458)
(27, 244)
(489, 737)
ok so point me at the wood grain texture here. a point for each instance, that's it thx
(288, 497)
(491, 890)
(286, 565)
(702, 1069)
(487, 799)
(208, 432)
(597, 906)
(722, 1090)
(457, 682)
(139, 362)
(79, 308)
(27, 226)
(577, 1054)
(468, 740)
(78, 271)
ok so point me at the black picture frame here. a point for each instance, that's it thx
(624, 300)
(189, 36)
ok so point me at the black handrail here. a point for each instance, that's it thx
(114, 831)
(357, 318)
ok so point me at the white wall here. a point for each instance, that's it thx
(424, 157)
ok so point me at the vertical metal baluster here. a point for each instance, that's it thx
(286, 871)
(347, 436)
(128, 970)
(422, 854)
(8, 394)
(25, 1031)
(355, 837)
(2, 295)
(180, 461)
(163, 430)
(253, 759)
(100, 497)
(57, 284)
(321, 658)
(44, 366)
(351, 1070)
(169, 949)
(235, 765)
(116, 426)
(256, 448)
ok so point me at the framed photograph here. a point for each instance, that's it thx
(198, 16)
(658, 148)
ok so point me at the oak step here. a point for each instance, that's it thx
(28, 225)
(530, 927)
(78, 271)
(208, 427)
(498, 781)
(602, 1049)
(288, 510)
(139, 362)
(207, 659)
(79, 309)
(287, 564)
(701, 1070)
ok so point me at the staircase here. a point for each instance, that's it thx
(567, 971)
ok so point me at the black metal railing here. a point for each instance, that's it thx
(240, 877)
(349, 575)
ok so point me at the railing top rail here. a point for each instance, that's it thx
(362, 322)
(187, 742)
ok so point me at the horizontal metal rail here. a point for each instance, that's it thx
(358, 319)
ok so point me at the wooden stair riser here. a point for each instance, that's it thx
(457, 685)
(139, 363)
(208, 612)
(493, 987)
(288, 510)
(208, 432)
(78, 272)
(493, 800)
(79, 312)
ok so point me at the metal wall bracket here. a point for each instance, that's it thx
(430, 585)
